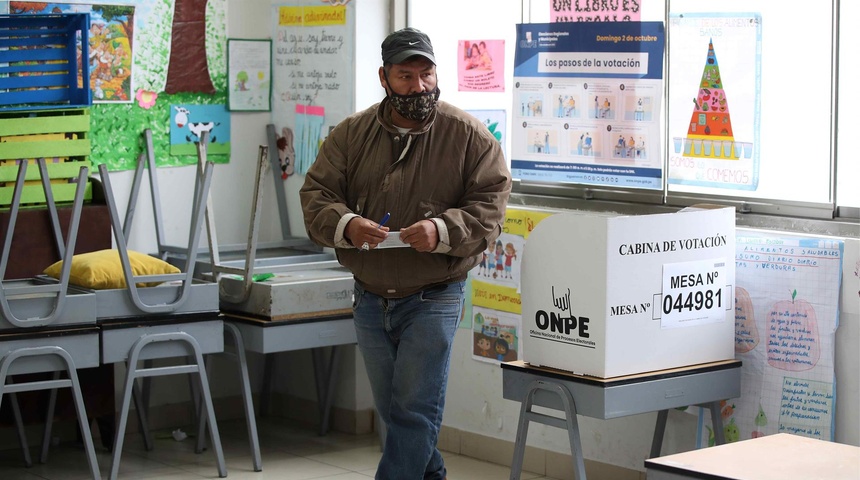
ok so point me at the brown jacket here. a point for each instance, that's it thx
(451, 170)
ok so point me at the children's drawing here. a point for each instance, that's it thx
(494, 336)
(189, 122)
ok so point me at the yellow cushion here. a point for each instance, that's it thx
(103, 269)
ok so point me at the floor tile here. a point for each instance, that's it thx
(289, 452)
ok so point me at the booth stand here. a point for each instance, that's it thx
(704, 385)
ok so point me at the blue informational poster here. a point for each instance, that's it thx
(587, 100)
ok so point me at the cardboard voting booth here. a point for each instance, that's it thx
(607, 295)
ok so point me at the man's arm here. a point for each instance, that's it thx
(323, 196)
(467, 229)
(328, 219)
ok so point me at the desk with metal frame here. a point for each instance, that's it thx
(772, 457)
(704, 384)
(311, 331)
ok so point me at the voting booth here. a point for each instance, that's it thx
(606, 295)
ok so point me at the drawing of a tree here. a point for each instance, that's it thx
(188, 69)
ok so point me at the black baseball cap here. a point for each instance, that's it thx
(406, 43)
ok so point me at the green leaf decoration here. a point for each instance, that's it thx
(761, 418)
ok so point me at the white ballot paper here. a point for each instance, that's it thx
(392, 241)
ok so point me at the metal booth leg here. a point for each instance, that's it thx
(659, 430)
(568, 423)
(266, 391)
(71, 382)
(717, 423)
(133, 373)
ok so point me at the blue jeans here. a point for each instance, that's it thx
(406, 344)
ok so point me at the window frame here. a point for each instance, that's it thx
(823, 218)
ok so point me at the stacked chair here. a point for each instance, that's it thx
(156, 312)
(46, 326)
(177, 319)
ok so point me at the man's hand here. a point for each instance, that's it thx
(422, 236)
(360, 231)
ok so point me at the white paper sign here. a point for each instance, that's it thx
(693, 293)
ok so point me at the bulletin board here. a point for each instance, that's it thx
(313, 73)
(137, 35)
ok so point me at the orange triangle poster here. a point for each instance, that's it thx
(711, 122)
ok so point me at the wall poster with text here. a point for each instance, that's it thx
(587, 102)
(482, 66)
(786, 315)
(591, 11)
(313, 73)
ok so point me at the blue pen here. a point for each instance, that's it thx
(384, 219)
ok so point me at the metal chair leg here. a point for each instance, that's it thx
(659, 430)
(232, 333)
(22, 433)
(49, 423)
(133, 373)
(71, 382)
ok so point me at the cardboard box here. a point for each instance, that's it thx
(610, 295)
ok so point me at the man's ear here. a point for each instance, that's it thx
(382, 79)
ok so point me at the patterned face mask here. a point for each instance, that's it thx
(416, 106)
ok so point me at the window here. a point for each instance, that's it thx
(781, 91)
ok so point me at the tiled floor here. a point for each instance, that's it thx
(289, 452)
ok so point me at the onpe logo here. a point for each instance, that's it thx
(564, 321)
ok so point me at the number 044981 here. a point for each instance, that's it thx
(693, 301)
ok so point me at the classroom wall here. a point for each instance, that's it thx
(231, 193)
(474, 402)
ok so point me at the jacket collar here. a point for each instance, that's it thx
(383, 116)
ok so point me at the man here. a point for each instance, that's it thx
(439, 177)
